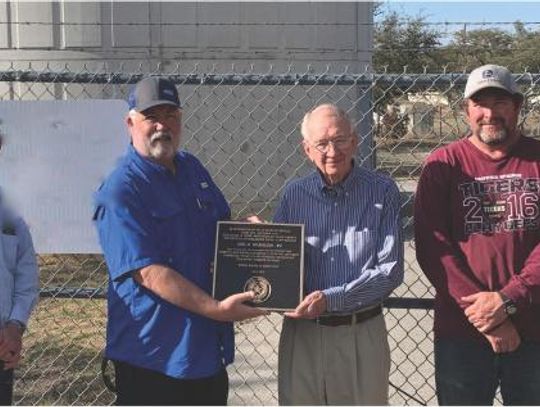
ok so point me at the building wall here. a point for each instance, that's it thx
(337, 33)
(248, 136)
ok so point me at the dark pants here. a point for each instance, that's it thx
(468, 373)
(6, 386)
(138, 386)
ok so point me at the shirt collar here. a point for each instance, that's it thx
(337, 189)
(150, 165)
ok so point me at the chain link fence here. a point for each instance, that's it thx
(244, 126)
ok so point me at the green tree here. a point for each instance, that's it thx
(516, 50)
(400, 42)
(525, 55)
(472, 48)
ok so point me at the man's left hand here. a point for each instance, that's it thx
(486, 310)
(311, 307)
(254, 219)
(505, 338)
(10, 346)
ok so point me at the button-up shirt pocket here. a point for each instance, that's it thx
(167, 221)
(206, 202)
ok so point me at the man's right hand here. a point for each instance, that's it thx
(504, 338)
(179, 291)
(233, 308)
(10, 346)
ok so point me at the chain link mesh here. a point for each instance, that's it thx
(244, 127)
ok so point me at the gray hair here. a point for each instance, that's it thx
(336, 111)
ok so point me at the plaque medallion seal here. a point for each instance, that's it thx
(260, 286)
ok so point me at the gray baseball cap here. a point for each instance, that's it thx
(153, 91)
(490, 76)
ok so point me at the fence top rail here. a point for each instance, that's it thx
(428, 80)
(96, 293)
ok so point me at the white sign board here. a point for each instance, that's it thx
(54, 157)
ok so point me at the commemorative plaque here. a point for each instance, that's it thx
(266, 258)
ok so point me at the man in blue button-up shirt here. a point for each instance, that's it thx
(18, 293)
(333, 347)
(156, 216)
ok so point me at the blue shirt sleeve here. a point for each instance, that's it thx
(25, 276)
(125, 232)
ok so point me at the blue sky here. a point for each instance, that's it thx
(482, 13)
(465, 11)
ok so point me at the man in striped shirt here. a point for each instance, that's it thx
(333, 347)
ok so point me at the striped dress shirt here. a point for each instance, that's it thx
(353, 243)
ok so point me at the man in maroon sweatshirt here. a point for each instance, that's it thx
(477, 231)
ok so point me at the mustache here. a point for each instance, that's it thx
(491, 122)
(161, 135)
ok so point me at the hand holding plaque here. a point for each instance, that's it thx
(264, 258)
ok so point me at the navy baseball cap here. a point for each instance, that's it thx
(153, 91)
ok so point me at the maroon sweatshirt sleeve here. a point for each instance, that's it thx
(439, 256)
(524, 288)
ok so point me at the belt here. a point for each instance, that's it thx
(351, 319)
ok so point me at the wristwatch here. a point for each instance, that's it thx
(510, 307)
(18, 324)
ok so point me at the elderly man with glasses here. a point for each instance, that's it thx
(333, 348)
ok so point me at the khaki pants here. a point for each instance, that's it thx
(342, 365)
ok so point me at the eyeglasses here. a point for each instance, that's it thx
(339, 144)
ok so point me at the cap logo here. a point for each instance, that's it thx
(488, 73)
(168, 92)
